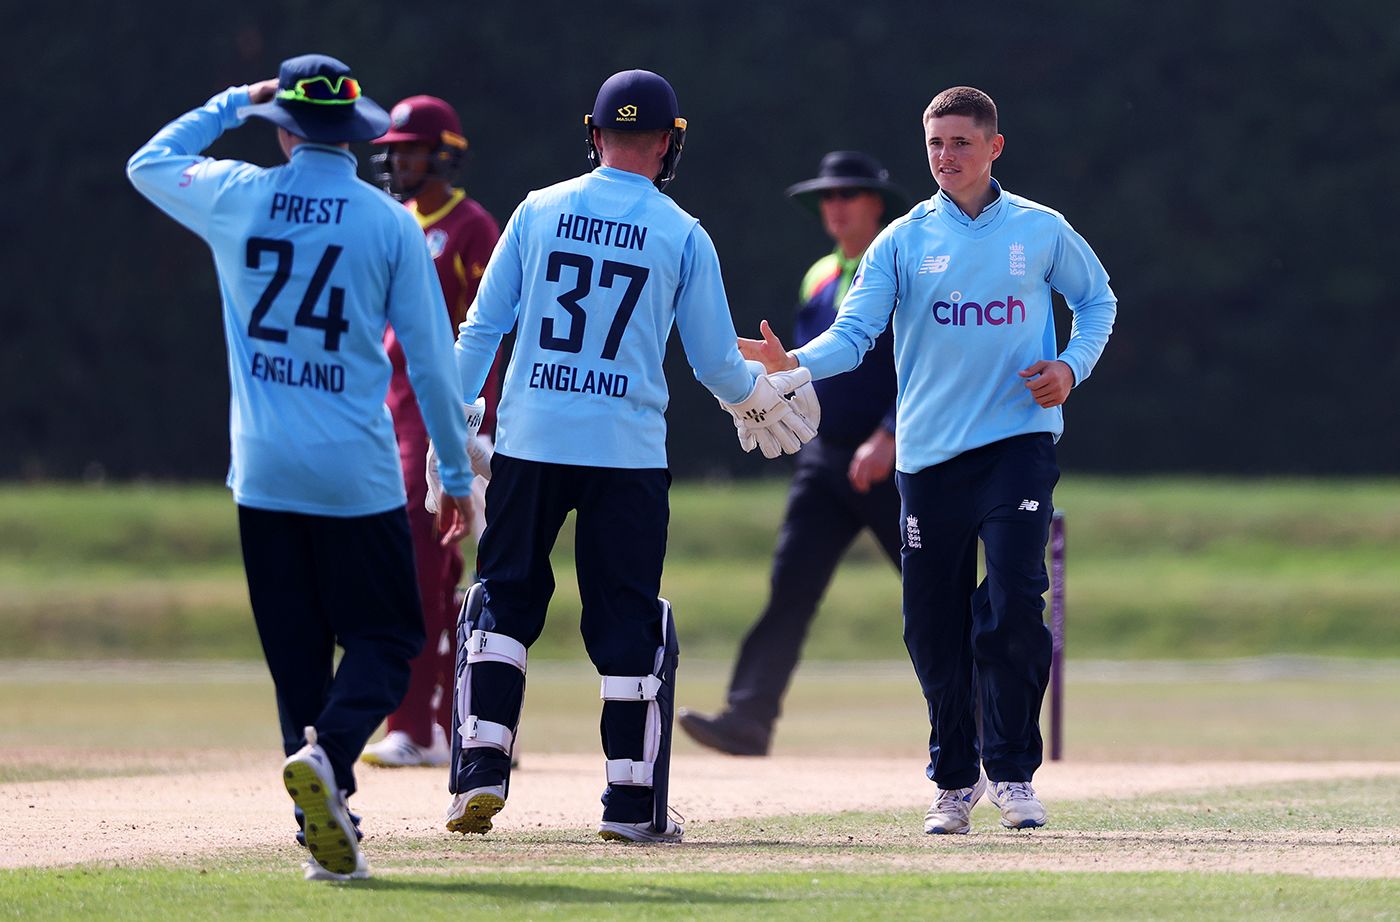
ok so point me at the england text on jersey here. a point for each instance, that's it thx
(551, 377)
(320, 376)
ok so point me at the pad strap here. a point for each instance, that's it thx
(487, 647)
(477, 733)
(627, 771)
(630, 688)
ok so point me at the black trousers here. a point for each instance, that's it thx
(824, 515)
(988, 640)
(620, 545)
(318, 581)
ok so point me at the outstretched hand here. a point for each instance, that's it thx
(768, 350)
(1049, 382)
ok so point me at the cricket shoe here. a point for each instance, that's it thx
(951, 811)
(398, 750)
(312, 870)
(613, 831)
(330, 833)
(1020, 808)
(301, 825)
(726, 732)
(472, 811)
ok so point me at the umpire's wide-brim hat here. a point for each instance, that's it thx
(850, 169)
(317, 99)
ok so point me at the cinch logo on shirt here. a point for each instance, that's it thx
(959, 313)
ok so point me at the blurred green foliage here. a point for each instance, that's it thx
(1231, 164)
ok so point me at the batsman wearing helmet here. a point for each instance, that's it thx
(312, 263)
(592, 273)
(423, 156)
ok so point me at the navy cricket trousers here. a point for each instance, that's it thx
(824, 516)
(621, 517)
(1000, 493)
(317, 581)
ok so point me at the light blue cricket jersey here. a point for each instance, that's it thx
(595, 270)
(312, 263)
(972, 307)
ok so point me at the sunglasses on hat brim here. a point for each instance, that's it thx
(322, 91)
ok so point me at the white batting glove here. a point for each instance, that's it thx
(769, 421)
(481, 449)
(800, 392)
(475, 412)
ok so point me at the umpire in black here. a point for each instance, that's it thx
(844, 477)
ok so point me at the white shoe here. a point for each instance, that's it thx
(472, 811)
(330, 833)
(640, 832)
(398, 750)
(951, 811)
(312, 870)
(1020, 808)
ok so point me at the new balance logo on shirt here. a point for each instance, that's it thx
(933, 264)
(1028, 505)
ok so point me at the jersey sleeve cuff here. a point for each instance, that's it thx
(232, 105)
(1075, 368)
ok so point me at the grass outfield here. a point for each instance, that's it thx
(841, 866)
(241, 893)
(1158, 568)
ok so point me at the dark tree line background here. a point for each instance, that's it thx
(1234, 165)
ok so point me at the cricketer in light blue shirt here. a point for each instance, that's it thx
(971, 301)
(595, 271)
(312, 263)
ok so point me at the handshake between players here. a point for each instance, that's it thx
(780, 415)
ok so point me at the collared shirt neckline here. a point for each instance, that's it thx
(428, 220)
(608, 172)
(847, 264)
(987, 215)
(311, 147)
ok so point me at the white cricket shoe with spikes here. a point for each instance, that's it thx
(1020, 808)
(951, 811)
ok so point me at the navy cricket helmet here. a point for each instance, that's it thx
(639, 100)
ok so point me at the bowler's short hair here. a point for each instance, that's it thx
(964, 100)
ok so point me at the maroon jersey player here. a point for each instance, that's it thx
(424, 152)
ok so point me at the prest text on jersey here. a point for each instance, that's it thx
(305, 209)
